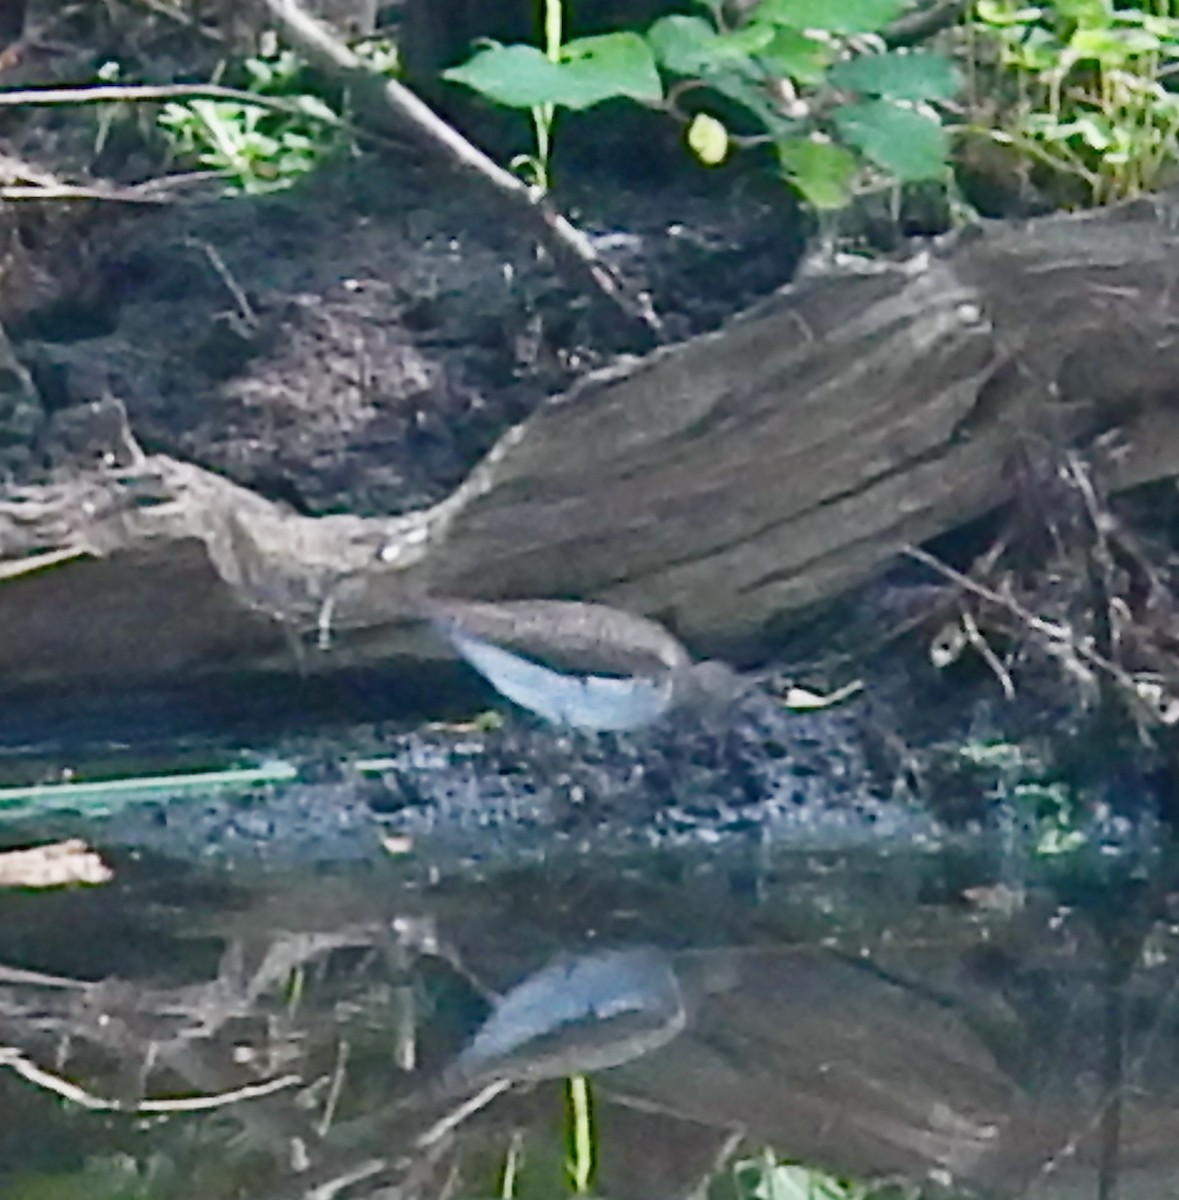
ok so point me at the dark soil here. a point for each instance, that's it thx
(357, 343)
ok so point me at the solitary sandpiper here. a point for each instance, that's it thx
(586, 665)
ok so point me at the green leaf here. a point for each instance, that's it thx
(683, 45)
(748, 40)
(753, 96)
(591, 70)
(790, 1182)
(1090, 14)
(835, 16)
(1039, 51)
(1166, 29)
(1111, 47)
(514, 76)
(708, 139)
(608, 66)
(315, 107)
(991, 12)
(821, 171)
(1091, 128)
(798, 57)
(898, 76)
(690, 46)
(902, 141)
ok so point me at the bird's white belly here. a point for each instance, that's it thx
(598, 702)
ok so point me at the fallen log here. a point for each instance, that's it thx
(721, 484)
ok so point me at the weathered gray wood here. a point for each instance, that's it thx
(720, 484)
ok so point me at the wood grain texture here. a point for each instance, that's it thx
(718, 485)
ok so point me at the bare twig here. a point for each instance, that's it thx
(19, 976)
(337, 1087)
(141, 93)
(1046, 629)
(70, 191)
(27, 1069)
(975, 638)
(571, 249)
(457, 1116)
(1059, 636)
(244, 307)
(16, 568)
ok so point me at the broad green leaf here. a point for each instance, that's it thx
(592, 70)
(709, 139)
(683, 45)
(902, 141)
(898, 76)
(836, 16)
(607, 66)
(821, 171)
(515, 76)
(796, 56)
(690, 46)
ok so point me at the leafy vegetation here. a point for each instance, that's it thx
(809, 78)
(765, 1177)
(259, 149)
(256, 149)
(1084, 91)
(1075, 89)
(1045, 807)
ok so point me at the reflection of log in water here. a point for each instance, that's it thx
(1004, 1072)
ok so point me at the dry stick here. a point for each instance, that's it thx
(148, 93)
(244, 307)
(1060, 635)
(135, 93)
(571, 249)
(158, 191)
(27, 1069)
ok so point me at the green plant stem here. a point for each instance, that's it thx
(544, 115)
(581, 1135)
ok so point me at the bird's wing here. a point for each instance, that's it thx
(589, 702)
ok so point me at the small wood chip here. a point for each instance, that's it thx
(53, 865)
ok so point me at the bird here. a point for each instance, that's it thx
(576, 1015)
(574, 663)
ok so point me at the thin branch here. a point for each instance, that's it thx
(457, 1116)
(571, 249)
(27, 1069)
(1055, 635)
(244, 307)
(140, 93)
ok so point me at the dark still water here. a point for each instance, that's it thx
(735, 1023)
